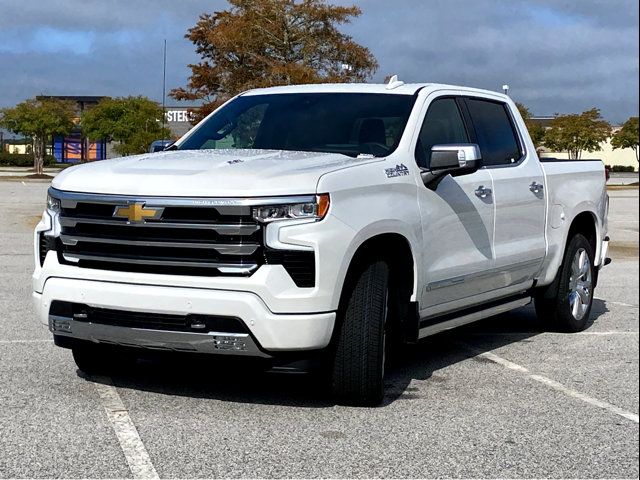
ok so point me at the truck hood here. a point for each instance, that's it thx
(205, 173)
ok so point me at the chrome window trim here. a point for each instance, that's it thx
(524, 154)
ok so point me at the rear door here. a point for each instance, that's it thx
(519, 239)
(457, 222)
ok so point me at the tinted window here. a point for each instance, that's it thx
(495, 132)
(442, 125)
(347, 123)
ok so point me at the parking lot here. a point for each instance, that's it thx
(500, 398)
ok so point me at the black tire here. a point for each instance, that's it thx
(357, 376)
(94, 359)
(554, 304)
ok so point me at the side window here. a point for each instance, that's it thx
(496, 134)
(442, 125)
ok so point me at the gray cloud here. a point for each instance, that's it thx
(557, 56)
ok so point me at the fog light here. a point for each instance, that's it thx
(60, 324)
(229, 343)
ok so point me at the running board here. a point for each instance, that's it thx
(433, 325)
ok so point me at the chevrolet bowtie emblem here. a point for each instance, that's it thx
(137, 212)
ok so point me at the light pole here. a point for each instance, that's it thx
(164, 84)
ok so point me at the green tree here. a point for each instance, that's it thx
(577, 132)
(536, 131)
(133, 122)
(261, 43)
(627, 136)
(39, 119)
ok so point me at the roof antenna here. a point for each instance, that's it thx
(394, 82)
(505, 89)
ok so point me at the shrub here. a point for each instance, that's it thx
(622, 168)
(23, 160)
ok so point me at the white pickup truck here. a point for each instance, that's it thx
(330, 220)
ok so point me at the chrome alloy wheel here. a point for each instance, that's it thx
(580, 283)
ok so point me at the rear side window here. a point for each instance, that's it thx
(495, 132)
(442, 125)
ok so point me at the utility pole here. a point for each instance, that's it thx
(164, 84)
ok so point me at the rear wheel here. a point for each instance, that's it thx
(357, 376)
(566, 304)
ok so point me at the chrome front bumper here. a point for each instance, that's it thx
(211, 342)
(269, 331)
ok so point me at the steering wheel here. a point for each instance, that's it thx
(374, 148)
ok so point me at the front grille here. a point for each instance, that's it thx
(180, 239)
(149, 321)
(172, 236)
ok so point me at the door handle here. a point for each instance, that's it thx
(483, 192)
(536, 187)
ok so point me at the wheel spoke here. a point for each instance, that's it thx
(584, 263)
(584, 295)
(574, 302)
(575, 266)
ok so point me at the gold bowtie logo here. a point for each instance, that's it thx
(137, 212)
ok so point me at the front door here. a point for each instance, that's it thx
(457, 219)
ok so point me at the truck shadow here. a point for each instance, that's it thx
(245, 382)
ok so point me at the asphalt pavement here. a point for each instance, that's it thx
(500, 398)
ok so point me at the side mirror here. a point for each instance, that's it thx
(457, 159)
(453, 157)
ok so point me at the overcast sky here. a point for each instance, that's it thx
(558, 56)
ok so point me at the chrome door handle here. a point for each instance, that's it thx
(483, 192)
(536, 187)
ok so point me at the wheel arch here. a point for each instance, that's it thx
(585, 223)
(396, 249)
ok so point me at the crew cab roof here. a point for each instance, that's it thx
(402, 89)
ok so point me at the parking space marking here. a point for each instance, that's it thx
(131, 444)
(555, 385)
(43, 340)
(620, 304)
(512, 334)
(606, 333)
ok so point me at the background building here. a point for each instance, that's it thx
(625, 157)
(75, 147)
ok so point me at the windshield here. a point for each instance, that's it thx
(347, 123)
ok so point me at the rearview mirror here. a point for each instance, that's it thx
(456, 159)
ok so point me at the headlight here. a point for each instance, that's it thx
(53, 204)
(316, 210)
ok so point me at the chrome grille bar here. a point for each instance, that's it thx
(224, 249)
(228, 267)
(221, 228)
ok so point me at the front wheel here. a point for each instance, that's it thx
(566, 304)
(94, 359)
(357, 377)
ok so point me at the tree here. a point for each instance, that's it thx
(133, 122)
(578, 132)
(40, 119)
(627, 136)
(262, 43)
(536, 131)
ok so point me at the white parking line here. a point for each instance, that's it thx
(511, 334)
(621, 304)
(555, 385)
(134, 450)
(48, 340)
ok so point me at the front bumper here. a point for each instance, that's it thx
(269, 332)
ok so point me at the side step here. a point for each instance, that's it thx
(433, 325)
